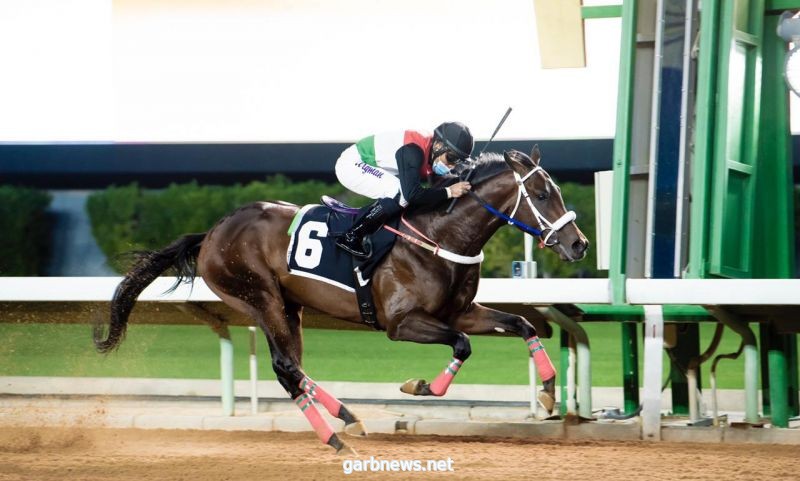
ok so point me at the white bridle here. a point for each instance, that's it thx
(544, 224)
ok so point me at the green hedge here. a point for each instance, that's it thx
(24, 231)
(129, 218)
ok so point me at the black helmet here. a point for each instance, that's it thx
(456, 137)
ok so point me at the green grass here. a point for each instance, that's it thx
(193, 352)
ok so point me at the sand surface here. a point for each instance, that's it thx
(131, 454)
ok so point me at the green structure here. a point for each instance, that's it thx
(704, 190)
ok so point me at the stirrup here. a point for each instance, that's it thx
(342, 243)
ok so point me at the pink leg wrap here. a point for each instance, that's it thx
(442, 382)
(321, 427)
(543, 364)
(332, 405)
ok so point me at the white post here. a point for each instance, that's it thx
(750, 360)
(653, 365)
(528, 247)
(226, 375)
(694, 401)
(751, 382)
(532, 374)
(714, 408)
(583, 366)
(572, 362)
(253, 373)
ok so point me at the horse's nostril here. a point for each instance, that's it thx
(580, 246)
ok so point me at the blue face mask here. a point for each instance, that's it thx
(440, 169)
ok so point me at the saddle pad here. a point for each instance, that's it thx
(313, 253)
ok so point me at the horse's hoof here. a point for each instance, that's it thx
(355, 429)
(547, 401)
(416, 387)
(346, 450)
(411, 386)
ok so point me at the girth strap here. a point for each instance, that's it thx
(366, 303)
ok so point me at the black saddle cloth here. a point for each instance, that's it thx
(313, 252)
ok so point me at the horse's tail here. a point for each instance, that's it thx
(181, 254)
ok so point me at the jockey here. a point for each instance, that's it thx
(390, 167)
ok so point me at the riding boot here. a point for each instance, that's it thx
(353, 240)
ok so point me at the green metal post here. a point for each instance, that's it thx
(775, 182)
(778, 375)
(630, 366)
(704, 139)
(774, 194)
(794, 398)
(622, 152)
(764, 347)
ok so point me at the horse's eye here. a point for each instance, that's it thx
(542, 196)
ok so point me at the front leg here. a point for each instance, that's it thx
(421, 327)
(483, 320)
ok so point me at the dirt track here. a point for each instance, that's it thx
(129, 454)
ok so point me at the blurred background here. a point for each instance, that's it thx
(126, 123)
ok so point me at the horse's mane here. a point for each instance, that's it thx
(485, 167)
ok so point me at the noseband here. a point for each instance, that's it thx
(544, 224)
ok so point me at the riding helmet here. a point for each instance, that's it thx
(457, 137)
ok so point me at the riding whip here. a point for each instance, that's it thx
(469, 174)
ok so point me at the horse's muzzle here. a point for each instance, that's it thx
(579, 248)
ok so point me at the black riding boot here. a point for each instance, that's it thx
(353, 240)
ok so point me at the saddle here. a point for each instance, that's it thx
(338, 206)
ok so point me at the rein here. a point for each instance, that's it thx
(523, 226)
(432, 245)
(522, 192)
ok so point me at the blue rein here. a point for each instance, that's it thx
(523, 226)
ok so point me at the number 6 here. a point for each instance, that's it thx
(309, 251)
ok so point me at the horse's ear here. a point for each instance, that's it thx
(536, 156)
(517, 161)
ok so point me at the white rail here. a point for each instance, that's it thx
(98, 289)
(650, 293)
(708, 292)
(517, 291)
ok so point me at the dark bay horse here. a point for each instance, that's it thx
(418, 297)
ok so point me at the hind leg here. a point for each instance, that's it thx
(285, 352)
(352, 425)
(285, 344)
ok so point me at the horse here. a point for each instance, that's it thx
(418, 297)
